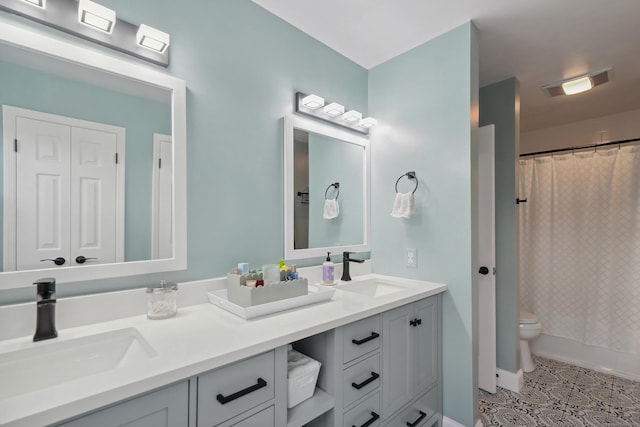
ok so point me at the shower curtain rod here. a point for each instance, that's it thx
(583, 147)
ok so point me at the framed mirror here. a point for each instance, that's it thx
(327, 187)
(85, 134)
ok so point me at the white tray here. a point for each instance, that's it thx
(316, 294)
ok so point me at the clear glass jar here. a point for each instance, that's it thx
(162, 302)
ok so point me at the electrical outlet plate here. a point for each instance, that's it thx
(412, 258)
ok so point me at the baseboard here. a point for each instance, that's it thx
(510, 380)
(448, 422)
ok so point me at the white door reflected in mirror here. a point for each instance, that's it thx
(66, 205)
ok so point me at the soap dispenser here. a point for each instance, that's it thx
(327, 270)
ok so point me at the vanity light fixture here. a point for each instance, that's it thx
(40, 3)
(334, 109)
(96, 16)
(352, 116)
(96, 23)
(313, 101)
(151, 38)
(332, 112)
(579, 84)
(368, 122)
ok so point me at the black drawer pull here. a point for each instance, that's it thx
(416, 422)
(373, 419)
(372, 378)
(373, 336)
(226, 399)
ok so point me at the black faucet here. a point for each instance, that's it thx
(345, 265)
(46, 309)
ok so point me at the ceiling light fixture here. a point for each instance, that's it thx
(333, 112)
(153, 39)
(579, 84)
(96, 16)
(40, 3)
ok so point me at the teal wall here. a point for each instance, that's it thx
(41, 91)
(332, 160)
(242, 66)
(500, 105)
(426, 100)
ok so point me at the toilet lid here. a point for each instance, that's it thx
(526, 317)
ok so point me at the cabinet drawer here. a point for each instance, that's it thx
(420, 412)
(264, 418)
(364, 414)
(361, 378)
(361, 337)
(231, 390)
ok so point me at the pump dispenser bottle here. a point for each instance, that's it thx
(327, 270)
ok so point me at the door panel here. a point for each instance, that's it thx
(397, 379)
(162, 211)
(43, 196)
(93, 201)
(426, 344)
(486, 258)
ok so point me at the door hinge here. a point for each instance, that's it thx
(116, 158)
(160, 163)
(15, 145)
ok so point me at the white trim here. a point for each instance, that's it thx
(448, 422)
(510, 381)
(291, 122)
(39, 42)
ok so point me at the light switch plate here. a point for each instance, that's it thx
(412, 258)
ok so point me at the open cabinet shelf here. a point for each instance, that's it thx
(310, 409)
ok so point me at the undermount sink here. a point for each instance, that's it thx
(48, 363)
(375, 287)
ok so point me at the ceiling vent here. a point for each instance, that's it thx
(596, 78)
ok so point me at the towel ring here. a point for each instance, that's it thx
(337, 186)
(410, 175)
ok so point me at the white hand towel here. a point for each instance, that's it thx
(331, 209)
(403, 205)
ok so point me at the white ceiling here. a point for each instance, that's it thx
(537, 41)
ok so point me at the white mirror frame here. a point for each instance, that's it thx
(28, 39)
(292, 122)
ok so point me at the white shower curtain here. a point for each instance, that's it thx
(580, 246)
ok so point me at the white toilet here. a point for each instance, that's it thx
(530, 328)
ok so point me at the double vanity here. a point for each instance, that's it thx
(378, 340)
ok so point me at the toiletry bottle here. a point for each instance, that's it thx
(327, 270)
(293, 273)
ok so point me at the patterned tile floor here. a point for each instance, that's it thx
(559, 394)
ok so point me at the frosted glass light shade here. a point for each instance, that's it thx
(152, 39)
(40, 3)
(334, 109)
(96, 16)
(579, 85)
(352, 116)
(313, 101)
(368, 122)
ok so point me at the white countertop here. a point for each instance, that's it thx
(199, 338)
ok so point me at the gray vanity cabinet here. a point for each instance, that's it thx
(167, 407)
(410, 353)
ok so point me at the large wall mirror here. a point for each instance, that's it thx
(93, 162)
(326, 189)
